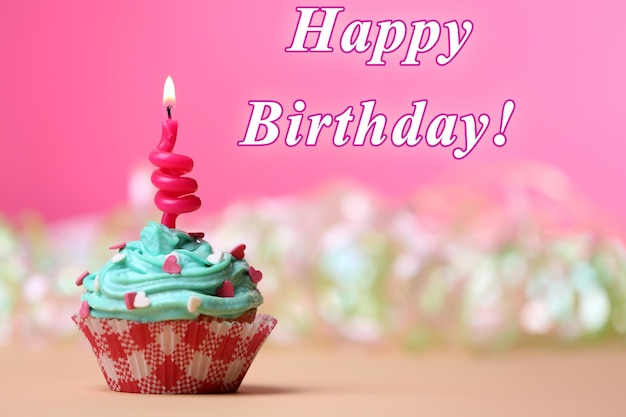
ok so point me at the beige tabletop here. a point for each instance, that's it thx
(299, 382)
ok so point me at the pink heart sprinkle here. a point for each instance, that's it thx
(171, 265)
(84, 310)
(118, 246)
(226, 289)
(238, 251)
(255, 274)
(81, 278)
(129, 299)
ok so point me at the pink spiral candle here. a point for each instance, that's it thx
(175, 191)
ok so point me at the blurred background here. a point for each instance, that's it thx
(403, 247)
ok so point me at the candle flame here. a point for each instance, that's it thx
(169, 93)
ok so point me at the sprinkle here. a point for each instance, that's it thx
(96, 283)
(255, 274)
(129, 299)
(215, 257)
(171, 265)
(84, 310)
(226, 289)
(196, 235)
(141, 300)
(81, 278)
(238, 251)
(118, 246)
(193, 303)
(118, 257)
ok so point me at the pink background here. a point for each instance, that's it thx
(82, 81)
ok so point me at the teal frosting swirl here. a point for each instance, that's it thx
(138, 267)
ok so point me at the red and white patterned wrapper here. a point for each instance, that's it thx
(175, 357)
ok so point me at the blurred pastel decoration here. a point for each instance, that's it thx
(497, 262)
(13, 272)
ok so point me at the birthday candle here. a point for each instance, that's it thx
(175, 191)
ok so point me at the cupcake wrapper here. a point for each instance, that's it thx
(175, 357)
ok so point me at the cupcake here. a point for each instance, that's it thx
(168, 314)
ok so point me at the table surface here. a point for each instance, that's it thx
(315, 382)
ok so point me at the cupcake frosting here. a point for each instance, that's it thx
(170, 275)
